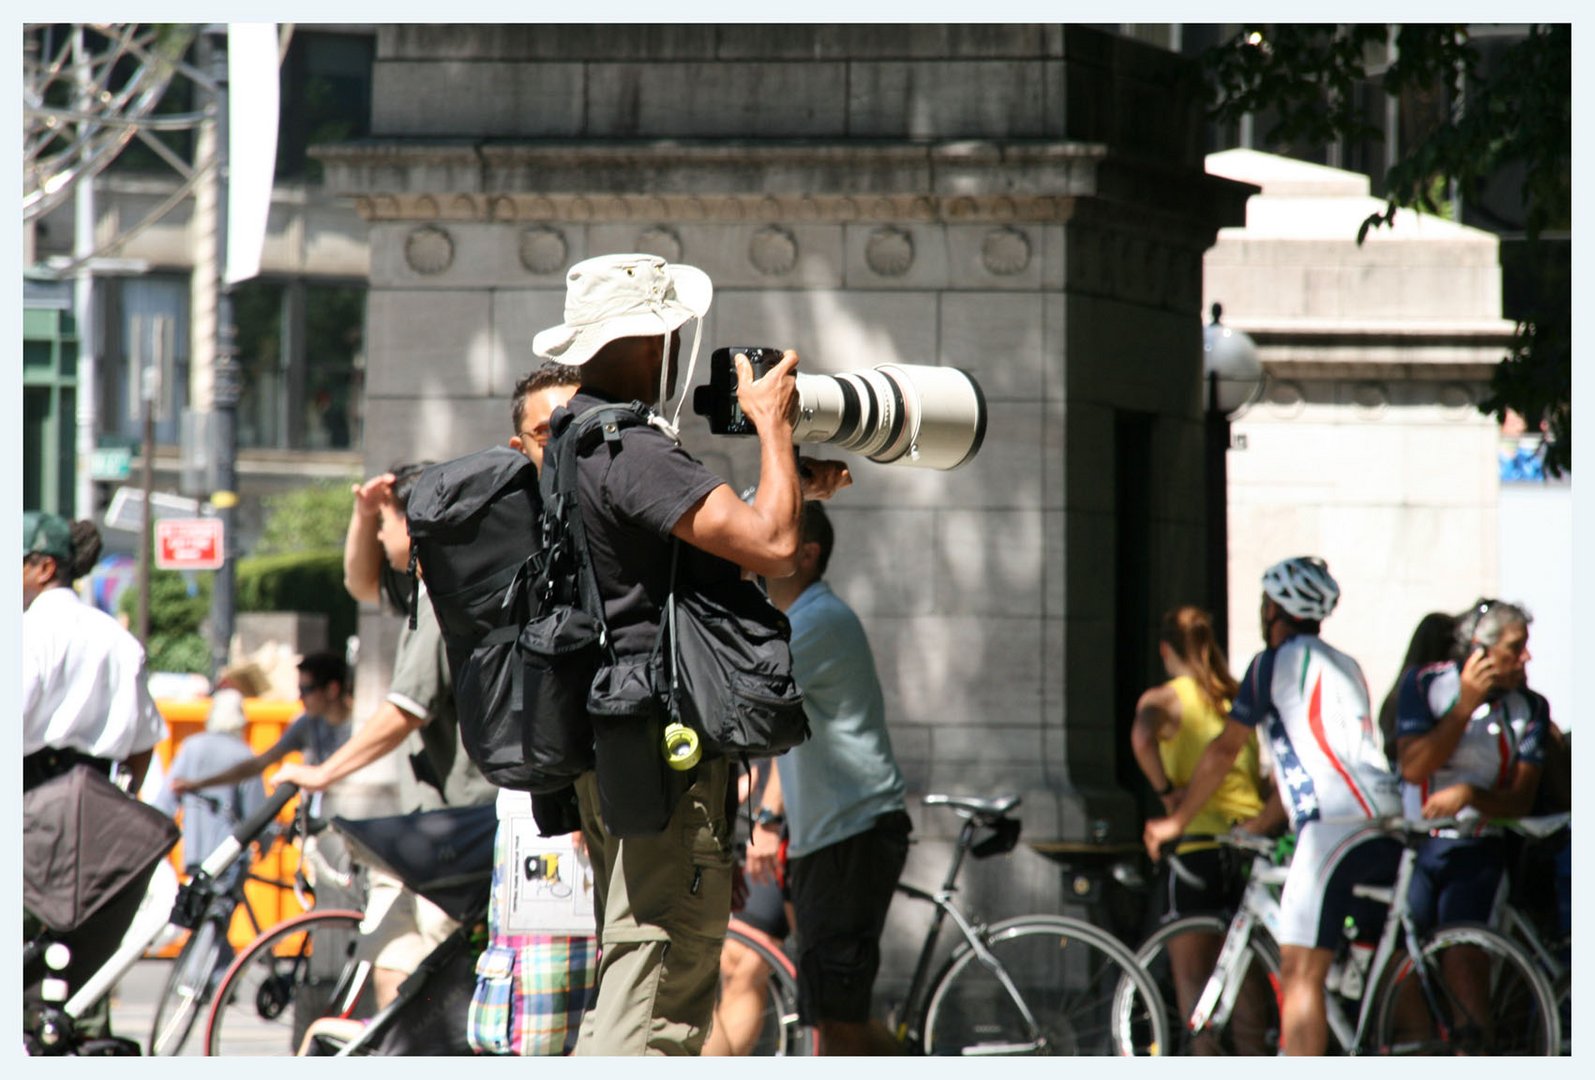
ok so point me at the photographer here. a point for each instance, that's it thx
(668, 892)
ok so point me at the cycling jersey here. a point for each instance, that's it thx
(1311, 702)
(1505, 729)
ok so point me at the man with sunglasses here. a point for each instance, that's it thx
(317, 733)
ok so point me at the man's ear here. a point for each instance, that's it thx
(516, 444)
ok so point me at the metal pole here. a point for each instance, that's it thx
(83, 307)
(149, 388)
(224, 429)
(1217, 476)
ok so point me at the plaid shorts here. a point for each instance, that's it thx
(531, 989)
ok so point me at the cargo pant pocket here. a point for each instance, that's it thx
(490, 1022)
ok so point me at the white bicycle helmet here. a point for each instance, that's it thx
(1303, 587)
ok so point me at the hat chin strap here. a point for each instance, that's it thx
(670, 426)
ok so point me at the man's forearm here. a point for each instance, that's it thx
(137, 765)
(779, 498)
(772, 799)
(379, 736)
(1421, 755)
(362, 557)
(234, 774)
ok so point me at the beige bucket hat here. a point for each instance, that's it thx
(616, 296)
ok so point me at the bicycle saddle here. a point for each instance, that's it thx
(971, 805)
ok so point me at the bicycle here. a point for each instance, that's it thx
(1403, 1002)
(1032, 984)
(1248, 959)
(304, 976)
(1550, 948)
(199, 964)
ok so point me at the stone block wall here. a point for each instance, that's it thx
(1026, 203)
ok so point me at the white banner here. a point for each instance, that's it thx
(548, 887)
(252, 143)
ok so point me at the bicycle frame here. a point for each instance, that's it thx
(1258, 905)
(1514, 925)
(942, 900)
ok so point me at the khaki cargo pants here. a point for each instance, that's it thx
(662, 903)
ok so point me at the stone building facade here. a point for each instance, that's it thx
(1027, 203)
(1367, 446)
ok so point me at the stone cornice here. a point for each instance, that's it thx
(971, 181)
(394, 207)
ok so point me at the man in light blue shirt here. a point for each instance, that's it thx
(840, 796)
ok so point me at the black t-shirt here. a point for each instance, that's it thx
(630, 500)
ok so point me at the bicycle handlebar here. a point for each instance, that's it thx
(1262, 846)
(1536, 826)
(256, 823)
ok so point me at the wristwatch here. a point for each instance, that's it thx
(766, 816)
(1168, 788)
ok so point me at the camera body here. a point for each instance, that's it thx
(718, 401)
(893, 414)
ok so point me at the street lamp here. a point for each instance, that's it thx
(1234, 379)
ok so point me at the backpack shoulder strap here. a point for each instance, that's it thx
(572, 438)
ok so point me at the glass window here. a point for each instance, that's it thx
(335, 365)
(301, 357)
(258, 318)
(326, 97)
(147, 321)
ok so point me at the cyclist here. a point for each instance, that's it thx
(1331, 770)
(211, 810)
(1471, 743)
(1433, 641)
(763, 906)
(1174, 722)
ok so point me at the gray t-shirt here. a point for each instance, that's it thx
(422, 686)
(314, 738)
(206, 825)
(845, 776)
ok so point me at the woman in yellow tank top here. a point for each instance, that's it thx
(1174, 722)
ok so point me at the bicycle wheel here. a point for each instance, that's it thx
(187, 989)
(780, 1033)
(1514, 1011)
(296, 972)
(1067, 974)
(1253, 1026)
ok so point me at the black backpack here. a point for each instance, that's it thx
(475, 530)
(504, 556)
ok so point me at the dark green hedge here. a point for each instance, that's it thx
(180, 604)
(303, 581)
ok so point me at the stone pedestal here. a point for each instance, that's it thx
(1027, 203)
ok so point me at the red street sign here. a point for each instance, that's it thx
(189, 543)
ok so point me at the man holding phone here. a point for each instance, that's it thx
(1470, 742)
